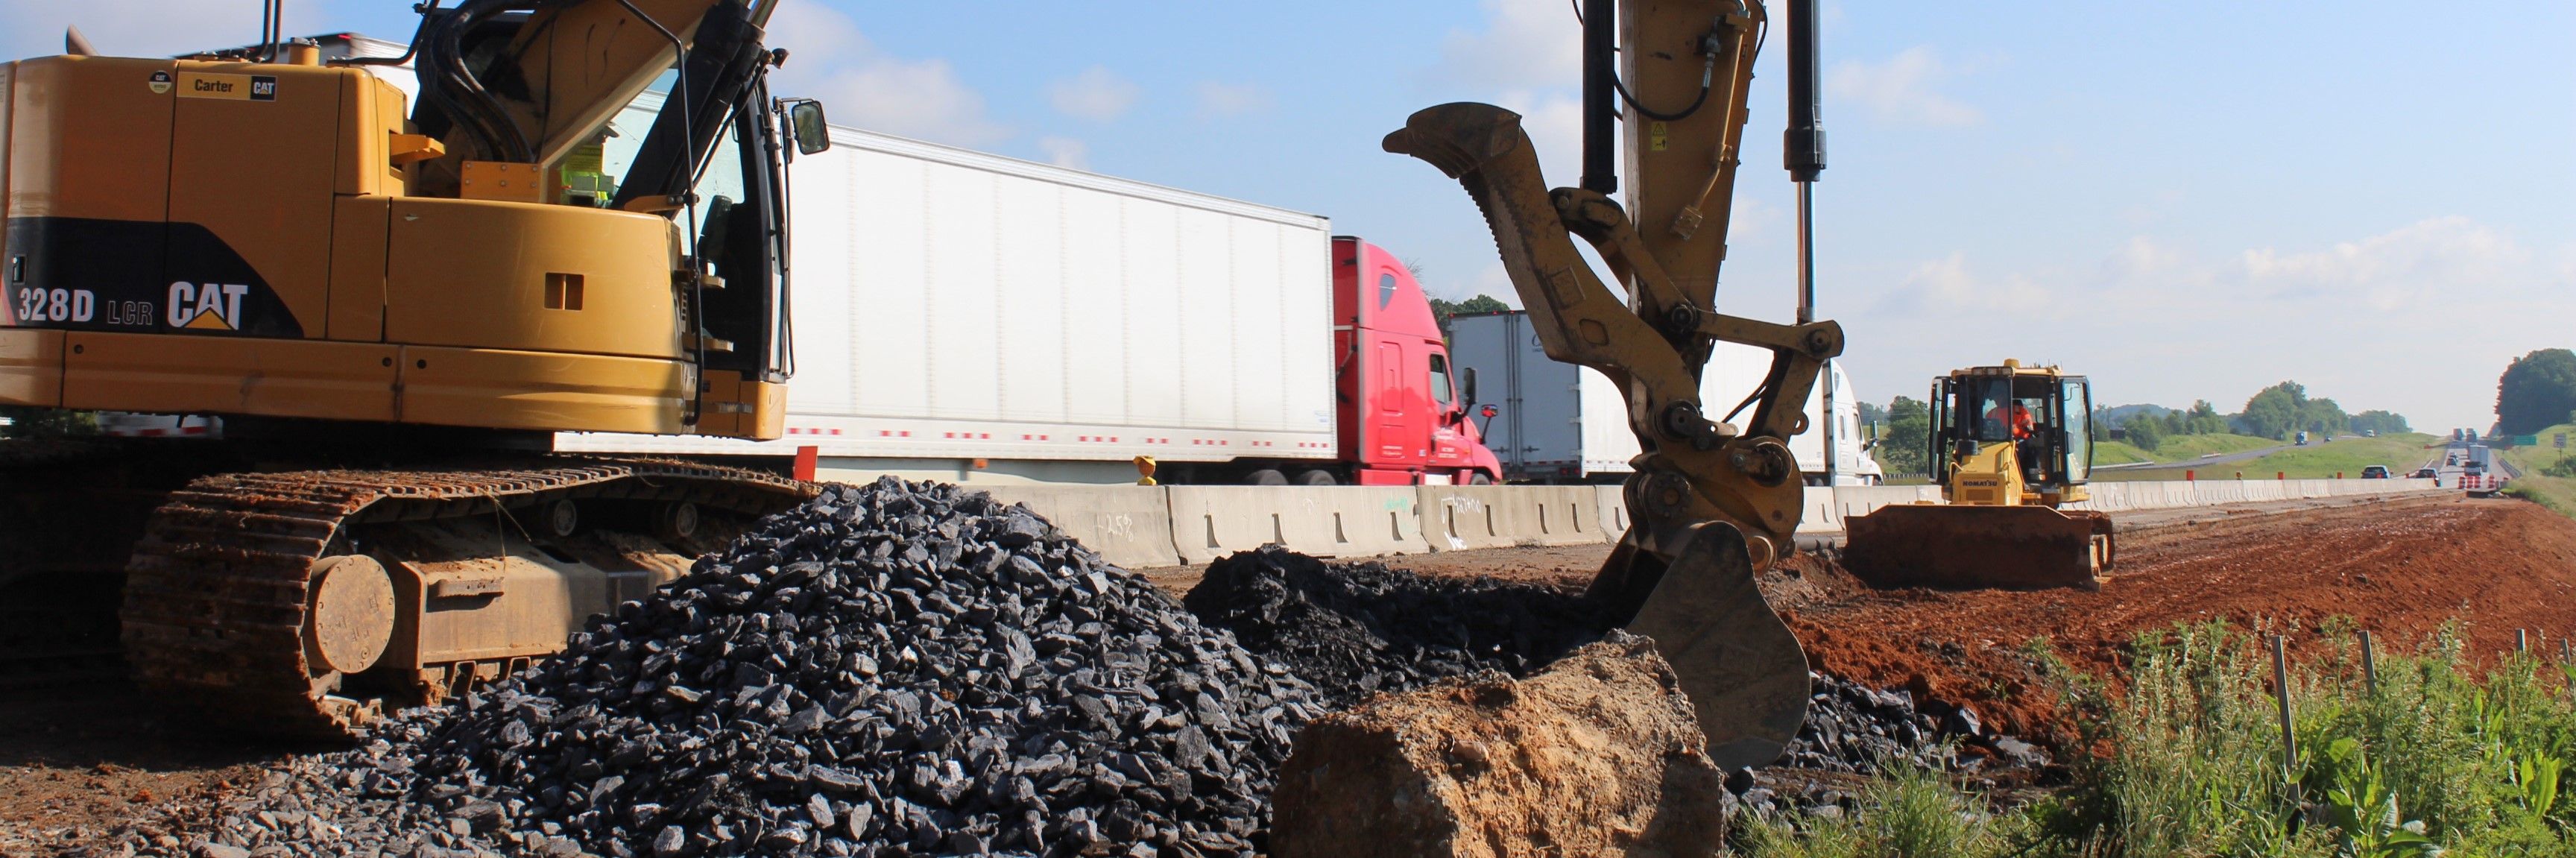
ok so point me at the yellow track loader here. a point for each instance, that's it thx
(392, 314)
(2010, 444)
(1712, 501)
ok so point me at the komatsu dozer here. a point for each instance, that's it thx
(2011, 444)
(1712, 501)
(580, 226)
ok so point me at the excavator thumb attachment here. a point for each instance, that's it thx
(1978, 547)
(1741, 667)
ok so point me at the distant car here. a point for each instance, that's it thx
(2370, 433)
(2475, 467)
(2375, 472)
(2427, 474)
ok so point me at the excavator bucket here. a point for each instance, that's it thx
(1978, 547)
(1740, 665)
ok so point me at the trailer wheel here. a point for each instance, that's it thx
(1266, 477)
(1316, 477)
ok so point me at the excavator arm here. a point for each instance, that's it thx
(1711, 502)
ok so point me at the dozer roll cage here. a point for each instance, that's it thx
(1971, 409)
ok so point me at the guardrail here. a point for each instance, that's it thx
(1144, 526)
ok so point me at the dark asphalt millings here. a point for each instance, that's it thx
(1359, 628)
(893, 669)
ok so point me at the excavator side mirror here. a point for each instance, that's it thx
(805, 120)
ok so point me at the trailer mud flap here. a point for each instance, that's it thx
(1979, 547)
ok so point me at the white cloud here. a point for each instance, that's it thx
(2410, 266)
(1231, 99)
(1525, 43)
(868, 88)
(1901, 90)
(1554, 122)
(2417, 319)
(1066, 152)
(1097, 94)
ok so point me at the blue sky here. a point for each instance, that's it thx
(2182, 200)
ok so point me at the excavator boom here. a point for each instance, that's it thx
(1711, 502)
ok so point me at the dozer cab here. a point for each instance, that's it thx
(2010, 445)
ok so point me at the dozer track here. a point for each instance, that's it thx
(220, 596)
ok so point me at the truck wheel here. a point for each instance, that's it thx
(1316, 477)
(1266, 477)
(1479, 479)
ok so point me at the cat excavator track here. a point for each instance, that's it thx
(304, 604)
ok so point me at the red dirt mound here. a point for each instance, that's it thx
(2400, 570)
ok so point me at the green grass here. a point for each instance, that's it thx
(2401, 453)
(2541, 467)
(2430, 760)
(2180, 448)
(2118, 453)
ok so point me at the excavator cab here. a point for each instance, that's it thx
(2010, 445)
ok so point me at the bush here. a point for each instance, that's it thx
(2145, 434)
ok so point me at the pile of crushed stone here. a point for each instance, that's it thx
(889, 670)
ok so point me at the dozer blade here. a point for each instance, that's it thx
(1978, 547)
(1741, 667)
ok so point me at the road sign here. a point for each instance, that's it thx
(2560, 439)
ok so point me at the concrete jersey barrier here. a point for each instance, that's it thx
(1129, 526)
(1208, 522)
(1457, 518)
(1141, 526)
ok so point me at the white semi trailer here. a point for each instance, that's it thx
(1558, 422)
(973, 318)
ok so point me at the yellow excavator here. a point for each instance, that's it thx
(2010, 445)
(1712, 501)
(392, 314)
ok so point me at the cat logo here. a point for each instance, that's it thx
(211, 307)
(160, 83)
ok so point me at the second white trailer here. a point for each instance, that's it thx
(1558, 422)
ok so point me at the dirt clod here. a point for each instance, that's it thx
(1596, 755)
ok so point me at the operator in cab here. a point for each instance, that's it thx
(2013, 417)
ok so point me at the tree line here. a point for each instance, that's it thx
(2278, 412)
(2537, 391)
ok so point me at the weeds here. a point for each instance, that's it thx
(2431, 760)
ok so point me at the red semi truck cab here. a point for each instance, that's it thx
(1403, 413)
